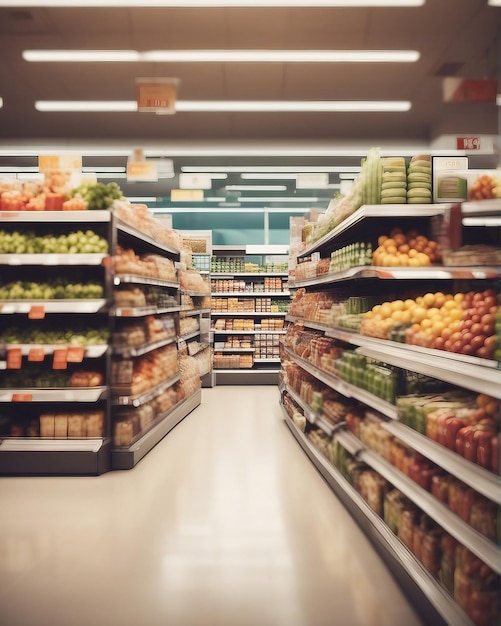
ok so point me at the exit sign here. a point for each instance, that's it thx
(468, 143)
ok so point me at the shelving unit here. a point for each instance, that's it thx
(479, 375)
(252, 297)
(26, 448)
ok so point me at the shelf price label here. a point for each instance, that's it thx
(75, 354)
(60, 359)
(36, 354)
(22, 397)
(14, 358)
(36, 312)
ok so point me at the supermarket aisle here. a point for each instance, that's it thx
(224, 523)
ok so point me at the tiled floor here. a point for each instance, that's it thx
(224, 523)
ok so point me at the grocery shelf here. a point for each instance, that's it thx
(395, 211)
(141, 398)
(188, 312)
(88, 352)
(449, 521)
(54, 394)
(436, 605)
(267, 360)
(346, 389)
(119, 279)
(431, 272)
(56, 217)
(130, 311)
(477, 477)
(54, 456)
(52, 306)
(53, 259)
(225, 376)
(188, 336)
(195, 294)
(307, 323)
(490, 206)
(143, 237)
(312, 416)
(127, 351)
(248, 332)
(248, 274)
(238, 314)
(231, 350)
(248, 294)
(127, 458)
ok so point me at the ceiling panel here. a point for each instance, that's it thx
(443, 31)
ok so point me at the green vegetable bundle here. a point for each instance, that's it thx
(98, 196)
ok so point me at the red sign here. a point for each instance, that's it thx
(468, 143)
(469, 90)
(60, 361)
(14, 358)
(36, 354)
(37, 312)
(156, 94)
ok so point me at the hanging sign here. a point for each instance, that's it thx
(58, 162)
(469, 90)
(186, 195)
(157, 95)
(142, 171)
(468, 143)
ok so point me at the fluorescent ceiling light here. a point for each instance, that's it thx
(494, 3)
(1, 103)
(97, 170)
(111, 175)
(256, 188)
(498, 98)
(278, 199)
(266, 169)
(223, 56)
(142, 198)
(214, 3)
(229, 106)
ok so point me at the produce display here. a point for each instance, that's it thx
(52, 290)
(29, 242)
(393, 181)
(405, 250)
(484, 187)
(98, 196)
(462, 323)
(419, 180)
(36, 376)
(46, 333)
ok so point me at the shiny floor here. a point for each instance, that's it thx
(225, 523)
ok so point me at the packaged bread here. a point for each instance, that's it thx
(61, 426)
(76, 425)
(47, 425)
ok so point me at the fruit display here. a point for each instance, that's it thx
(461, 323)
(48, 334)
(56, 194)
(97, 196)
(393, 180)
(72, 243)
(419, 180)
(409, 249)
(484, 187)
(52, 290)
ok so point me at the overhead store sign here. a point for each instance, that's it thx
(186, 195)
(312, 181)
(195, 181)
(156, 95)
(142, 171)
(54, 162)
(469, 90)
(468, 143)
